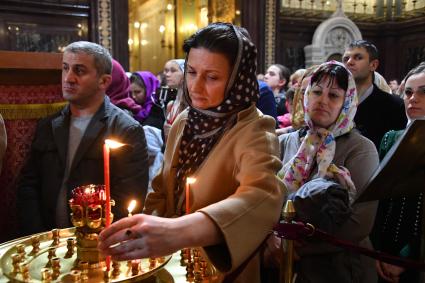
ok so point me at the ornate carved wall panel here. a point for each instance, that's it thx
(270, 31)
(221, 11)
(105, 27)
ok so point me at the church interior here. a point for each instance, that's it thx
(146, 34)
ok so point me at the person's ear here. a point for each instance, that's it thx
(373, 65)
(104, 81)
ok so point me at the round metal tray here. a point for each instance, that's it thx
(35, 263)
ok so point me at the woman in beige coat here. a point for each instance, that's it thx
(224, 142)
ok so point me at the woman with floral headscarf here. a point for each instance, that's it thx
(224, 142)
(326, 164)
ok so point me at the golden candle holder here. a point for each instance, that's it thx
(71, 255)
(287, 246)
(88, 216)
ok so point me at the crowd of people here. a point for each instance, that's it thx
(252, 142)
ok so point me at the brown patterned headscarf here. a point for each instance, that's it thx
(297, 110)
(204, 128)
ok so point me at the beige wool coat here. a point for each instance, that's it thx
(236, 186)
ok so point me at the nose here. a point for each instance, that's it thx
(350, 61)
(68, 76)
(196, 85)
(324, 98)
(414, 98)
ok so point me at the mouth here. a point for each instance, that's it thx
(69, 88)
(193, 97)
(321, 112)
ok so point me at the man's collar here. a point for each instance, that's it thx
(366, 94)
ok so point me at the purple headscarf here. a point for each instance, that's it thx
(119, 90)
(151, 84)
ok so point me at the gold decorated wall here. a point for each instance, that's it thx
(158, 28)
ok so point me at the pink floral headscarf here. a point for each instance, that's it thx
(318, 145)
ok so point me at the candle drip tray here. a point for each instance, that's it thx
(52, 257)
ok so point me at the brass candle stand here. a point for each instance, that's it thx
(197, 268)
(287, 246)
(71, 255)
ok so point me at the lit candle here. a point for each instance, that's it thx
(188, 182)
(109, 144)
(130, 207)
(106, 151)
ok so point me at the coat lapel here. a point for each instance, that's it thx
(60, 128)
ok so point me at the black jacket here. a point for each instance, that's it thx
(379, 113)
(42, 176)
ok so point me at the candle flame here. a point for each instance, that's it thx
(190, 180)
(88, 190)
(131, 206)
(113, 144)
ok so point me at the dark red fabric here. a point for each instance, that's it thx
(19, 136)
(298, 231)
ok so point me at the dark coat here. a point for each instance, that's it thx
(42, 176)
(378, 114)
(266, 102)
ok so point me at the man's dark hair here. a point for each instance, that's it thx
(216, 37)
(369, 46)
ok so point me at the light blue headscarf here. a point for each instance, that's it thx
(179, 62)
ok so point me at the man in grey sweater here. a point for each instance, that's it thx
(67, 149)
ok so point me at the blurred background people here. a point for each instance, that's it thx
(266, 102)
(295, 78)
(119, 91)
(174, 73)
(378, 111)
(394, 86)
(143, 88)
(285, 120)
(277, 78)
